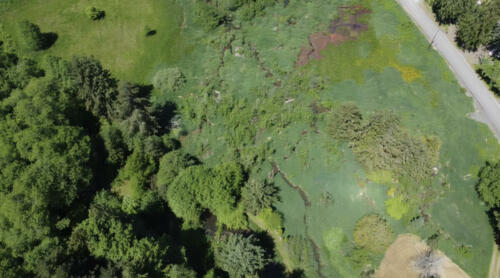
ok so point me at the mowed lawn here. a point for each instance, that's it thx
(119, 40)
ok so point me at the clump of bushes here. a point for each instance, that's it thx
(95, 13)
(380, 143)
(169, 79)
(199, 188)
(373, 233)
(30, 36)
(211, 14)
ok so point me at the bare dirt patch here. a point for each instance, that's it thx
(346, 27)
(400, 257)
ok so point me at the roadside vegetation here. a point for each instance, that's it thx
(478, 25)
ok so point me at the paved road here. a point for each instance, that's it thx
(468, 78)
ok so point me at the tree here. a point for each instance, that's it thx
(94, 85)
(489, 184)
(30, 35)
(128, 99)
(494, 42)
(448, 11)
(46, 174)
(373, 233)
(470, 30)
(181, 195)
(258, 195)
(170, 166)
(240, 256)
(110, 234)
(115, 146)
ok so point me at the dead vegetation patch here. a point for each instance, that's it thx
(346, 27)
(410, 257)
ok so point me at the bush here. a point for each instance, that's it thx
(209, 16)
(198, 188)
(272, 220)
(397, 207)
(95, 13)
(30, 36)
(346, 122)
(169, 80)
(373, 233)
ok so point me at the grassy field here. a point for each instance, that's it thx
(389, 67)
(119, 40)
(246, 100)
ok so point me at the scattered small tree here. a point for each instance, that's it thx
(30, 36)
(240, 256)
(148, 31)
(95, 13)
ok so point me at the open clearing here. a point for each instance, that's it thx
(119, 40)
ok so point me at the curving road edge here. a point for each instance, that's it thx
(484, 99)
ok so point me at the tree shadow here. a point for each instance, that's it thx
(164, 114)
(151, 33)
(49, 39)
(494, 224)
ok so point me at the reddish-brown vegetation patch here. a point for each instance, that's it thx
(345, 27)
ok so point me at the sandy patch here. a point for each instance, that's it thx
(399, 260)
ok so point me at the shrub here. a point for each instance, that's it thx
(490, 72)
(169, 80)
(300, 253)
(346, 122)
(397, 207)
(209, 16)
(373, 233)
(95, 13)
(179, 271)
(272, 220)
(198, 188)
(360, 257)
(30, 36)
